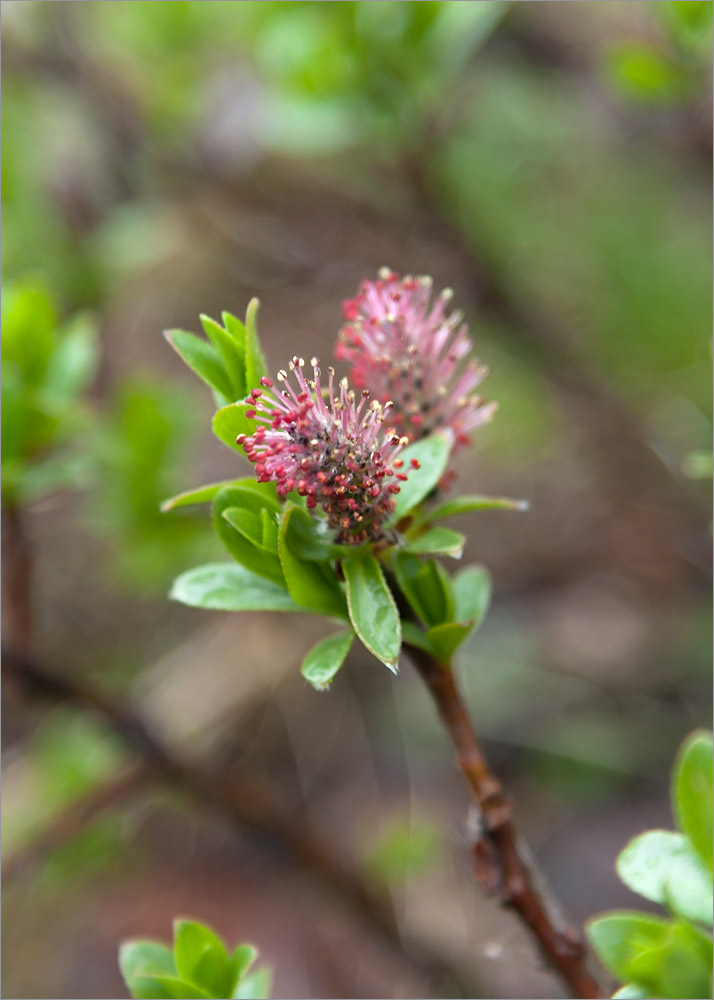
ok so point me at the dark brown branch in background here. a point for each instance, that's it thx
(244, 801)
(16, 581)
(498, 864)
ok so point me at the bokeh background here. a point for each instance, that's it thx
(551, 162)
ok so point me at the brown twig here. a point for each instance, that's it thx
(245, 802)
(498, 863)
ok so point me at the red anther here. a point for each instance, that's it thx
(241, 439)
(399, 462)
(256, 393)
(415, 463)
(264, 380)
(393, 488)
(250, 414)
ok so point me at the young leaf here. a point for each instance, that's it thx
(432, 453)
(692, 792)
(73, 362)
(373, 612)
(466, 504)
(311, 539)
(445, 639)
(240, 547)
(230, 421)
(678, 965)
(255, 986)
(621, 936)
(201, 958)
(230, 352)
(472, 594)
(174, 988)
(230, 587)
(255, 367)
(325, 659)
(313, 586)
(665, 868)
(632, 992)
(201, 357)
(427, 587)
(415, 636)
(139, 961)
(241, 960)
(438, 541)
(201, 494)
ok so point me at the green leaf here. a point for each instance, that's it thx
(472, 594)
(415, 636)
(230, 587)
(427, 587)
(139, 961)
(620, 936)
(373, 612)
(692, 792)
(200, 494)
(432, 453)
(310, 538)
(255, 986)
(73, 363)
(236, 329)
(438, 541)
(678, 965)
(201, 357)
(28, 329)
(325, 659)
(467, 504)
(665, 868)
(631, 992)
(230, 421)
(231, 352)
(313, 586)
(255, 367)
(643, 73)
(241, 960)
(445, 639)
(173, 987)
(201, 958)
(240, 547)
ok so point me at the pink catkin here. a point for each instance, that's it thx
(335, 451)
(403, 346)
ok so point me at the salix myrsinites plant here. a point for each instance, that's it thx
(342, 515)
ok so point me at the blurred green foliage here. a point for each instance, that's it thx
(668, 958)
(199, 966)
(46, 367)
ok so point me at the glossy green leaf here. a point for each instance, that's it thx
(373, 612)
(692, 792)
(139, 961)
(413, 635)
(231, 354)
(269, 530)
(255, 367)
(433, 455)
(665, 868)
(312, 585)
(325, 659)
(255, 986)
(201, 494)
(311, 539)
(201, 357)
(472, 594)
(201, 958)
(230, 587)
(240, 547)
(427, 587)
(620, 936)
(230, 421)
(438, 541)
(473, 502)
(236, 329)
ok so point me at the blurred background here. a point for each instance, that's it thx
(551, 162)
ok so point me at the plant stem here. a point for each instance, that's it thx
(498, 863)
(244, 801)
